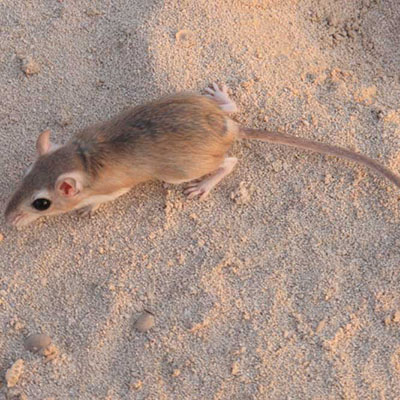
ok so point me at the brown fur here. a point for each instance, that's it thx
(174, 139)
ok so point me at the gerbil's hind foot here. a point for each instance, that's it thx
(222, 98)
(203, 187)
(87, 210)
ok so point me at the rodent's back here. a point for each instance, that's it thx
(177, 135)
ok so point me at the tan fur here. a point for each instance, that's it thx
(175, 139)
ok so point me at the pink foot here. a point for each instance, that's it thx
(222, 98)
(203, 187)
(87, 210)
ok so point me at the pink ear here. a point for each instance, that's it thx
(43, 144)
(67, 187)
(69, 184)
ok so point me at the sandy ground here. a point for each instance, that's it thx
(285, 284)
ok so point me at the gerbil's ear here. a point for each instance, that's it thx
(70, 184)
(43, 144)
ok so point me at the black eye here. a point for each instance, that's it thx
(41, 204)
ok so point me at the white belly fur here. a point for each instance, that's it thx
(102, 198)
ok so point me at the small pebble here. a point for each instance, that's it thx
(37, 342)
(65, 119)
(396, 316)
(137, 385)
(50, 352)
(235, 368)
(30, 67)
(1, 237)
(15, 394)
(248, 84)
(93, 12)
(145, 322)
(185, 38)
(176, 372)
(277, 166)
(242, 194)
(14, 373)
(18, 326)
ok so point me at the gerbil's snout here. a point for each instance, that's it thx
(17, 215)
(14, 218)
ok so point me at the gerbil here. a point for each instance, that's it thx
(176, 139)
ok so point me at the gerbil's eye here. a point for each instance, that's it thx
(41, 204)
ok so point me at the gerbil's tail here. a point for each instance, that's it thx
(317, 147)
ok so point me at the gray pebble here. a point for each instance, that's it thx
(37, 342)
(145, 322)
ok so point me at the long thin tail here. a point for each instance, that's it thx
(317, 147)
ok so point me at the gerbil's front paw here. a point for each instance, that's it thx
(87, 210)
(222, 98)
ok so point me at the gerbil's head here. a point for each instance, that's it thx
(52, 185)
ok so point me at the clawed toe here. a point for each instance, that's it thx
(190, 186)
(220, 95)
(203, 187)
(191, 190)
(194, 190)
(86, 211)
(209, 90)
(198, 192)
(193, 195)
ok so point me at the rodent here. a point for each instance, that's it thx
(178, 138)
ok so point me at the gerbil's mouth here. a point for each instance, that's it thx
(20, 219)
(15, 219)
